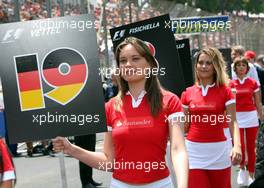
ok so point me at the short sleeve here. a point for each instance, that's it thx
(230, 98)
(108, 110)
(184, 101)
(174, 107)
(232, 86)
(8, 171)
(255, 86)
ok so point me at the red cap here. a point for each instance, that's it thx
(250, 54)
(152, 51)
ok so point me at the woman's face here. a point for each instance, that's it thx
(204, 67)
(241, 68)
(133, 66)
(234, 54)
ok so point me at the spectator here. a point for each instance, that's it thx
(260, 70)
(86, 172)
(259, 167)
(111, 87)
(238, 51)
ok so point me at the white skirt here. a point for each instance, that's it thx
(247, 119)
(163, 183)
(211, 156)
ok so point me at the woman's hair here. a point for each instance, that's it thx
(152, 85)
(215, 56)
(241, 59)
(260, 59)
(238, 49)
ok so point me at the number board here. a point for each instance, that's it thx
(51, 85)
(155, 32)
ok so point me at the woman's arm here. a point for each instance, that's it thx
(236, 151)
(186, 122)
(258, 104)
(99, 160)
(179, 155)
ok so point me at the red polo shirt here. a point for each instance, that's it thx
(139, 139)
(245, 90)
(207, 112)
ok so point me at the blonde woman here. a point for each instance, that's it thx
(207, 105)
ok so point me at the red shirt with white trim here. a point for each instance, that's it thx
(232, 86)
(7, 170)
(139, 139)
(245, 90)
(207, 111)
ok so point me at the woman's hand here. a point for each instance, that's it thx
(261, 118)
(236, 155)
(62, 144)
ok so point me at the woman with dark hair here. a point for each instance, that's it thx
(249, 109)
(141, 119)
(208, 106)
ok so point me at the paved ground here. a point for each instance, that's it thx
(44, 171)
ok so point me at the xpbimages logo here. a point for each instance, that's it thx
(198, 24)
(51, 118)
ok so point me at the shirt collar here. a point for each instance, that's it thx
(243, 80)
(137, 102)
(208, 85)
(205, 89)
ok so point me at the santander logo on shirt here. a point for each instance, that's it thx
(245, 90)
(203, 106)
(135, 122)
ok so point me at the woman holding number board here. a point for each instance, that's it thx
(141, 119)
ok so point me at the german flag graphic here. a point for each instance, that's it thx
(29, 84)
(66, 71)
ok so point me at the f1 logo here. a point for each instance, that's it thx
(119, 34)
(12, 34)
